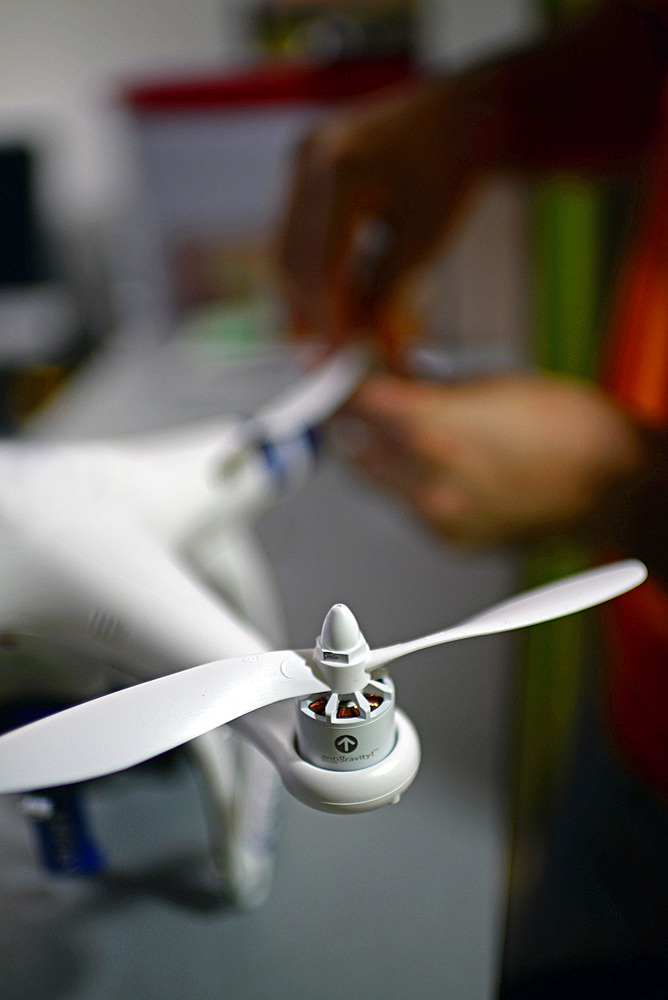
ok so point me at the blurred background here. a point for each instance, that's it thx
(70, 140)
(144, 152)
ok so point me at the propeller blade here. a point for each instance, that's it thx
(314, 398)
(129, 726)
(554, 600)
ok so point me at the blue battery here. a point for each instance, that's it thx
(65, 841)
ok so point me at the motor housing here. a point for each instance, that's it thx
(346, 732)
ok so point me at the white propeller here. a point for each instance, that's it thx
(315, 397)
(127, 727)
(542, 604)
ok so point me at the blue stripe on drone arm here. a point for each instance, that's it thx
(284, 457)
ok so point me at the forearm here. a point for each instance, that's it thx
(587, 101)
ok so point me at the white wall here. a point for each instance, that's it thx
(61, 61)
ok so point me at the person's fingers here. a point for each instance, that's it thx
(430, 489)
(419, 417)
(347, 240)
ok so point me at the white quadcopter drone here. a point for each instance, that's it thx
(102, 608)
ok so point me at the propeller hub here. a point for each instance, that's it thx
(341, 651)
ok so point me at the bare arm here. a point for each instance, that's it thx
(585, 101)
(505, 460)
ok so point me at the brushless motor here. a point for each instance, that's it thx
(347, 732)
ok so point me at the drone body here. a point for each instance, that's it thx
(122, 548)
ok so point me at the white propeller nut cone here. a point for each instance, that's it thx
(340, 630)
(341, 651)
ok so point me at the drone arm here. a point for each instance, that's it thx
(233, 564)
(213, 473)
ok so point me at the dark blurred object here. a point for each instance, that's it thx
(22, 258)
(42, 332)
(635, 978)
(338, 30)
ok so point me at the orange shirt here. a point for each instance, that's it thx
(635, 371)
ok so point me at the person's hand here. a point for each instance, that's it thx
(502, 459)
(373, 192)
